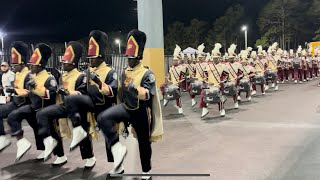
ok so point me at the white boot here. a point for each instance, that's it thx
(304, 80)
(276, 88)
(23, 145)
(263, 93)
(119, 170)
(60, 161)
(145, 176)
(278, 82)
(90, 162)
(239, 98)
(205, 112)
(266, 87)
(300, 82)
(41, 156)
(295, 81)
(49, 144)
(4, 143)
(249, 98)
(165, 102)
(222, 113)
(254, 93)
(180, 111)
(236, 105)
(119, 152)
(78, 134)
(282, 82)
(272, 85)
(193, 102)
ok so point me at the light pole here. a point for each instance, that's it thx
(117, 41)
(2, 35)
(245, 29)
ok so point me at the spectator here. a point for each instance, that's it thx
(1, 89)
(7, 79)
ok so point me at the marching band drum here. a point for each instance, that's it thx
(171, 92)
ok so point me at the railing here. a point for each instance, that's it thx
(117, 61)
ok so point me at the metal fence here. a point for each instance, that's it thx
(117, 61)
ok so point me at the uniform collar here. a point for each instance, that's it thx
(135, 68)
(103, 64)
(42, 73)
(25, 69)
(73, 71)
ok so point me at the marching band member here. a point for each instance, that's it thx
(280, 65)
(247, 74)
(190, 69)
(284, 59)
(272, 67)
(288, 67)
(304, 65)
(250, 69)
(297, 65)
(174, 78)
(200, 74)
(310, 63)
(315, 63)
(216, 72)
(183, 67)
(102, 84)
(72, 82)
(233, 69)
(259, 70)
(42, 87)
(140, 106)
(19, 54)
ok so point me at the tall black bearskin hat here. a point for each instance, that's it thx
(97, 44)
(73, 53)
(40, 55)
(135, 44)
(19, 52)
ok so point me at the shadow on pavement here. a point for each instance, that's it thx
(233, 111)
(31, 170)
(273, 91)
(247, 102)
(173, 116)
(79, 173)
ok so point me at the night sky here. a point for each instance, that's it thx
(65, 20)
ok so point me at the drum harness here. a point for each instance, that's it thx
(201, 74)
(213, 72)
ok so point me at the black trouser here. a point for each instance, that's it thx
(140, 122)
(15, 119)
(48, 125)
(5, 110)
(83, 104)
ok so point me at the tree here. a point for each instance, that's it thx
(317, 35)
(285, 20)
(192, 35)
(175, 35)
(195, 33)
(226, 28)
(263, 41)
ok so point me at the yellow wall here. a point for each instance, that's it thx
(313, 45)
(154, 59)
